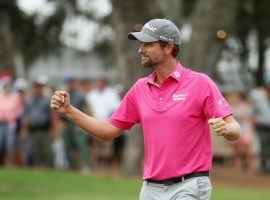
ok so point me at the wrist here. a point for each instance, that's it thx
(228, 130)
(69, 110)
(230, 133)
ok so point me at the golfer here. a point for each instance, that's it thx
(176, 108)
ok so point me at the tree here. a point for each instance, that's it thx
(24, 34)
(129, 16)
(6, 38)
(261, 19)
(204, 48)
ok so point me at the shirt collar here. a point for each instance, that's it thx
(176, 74)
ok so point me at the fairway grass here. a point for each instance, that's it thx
(55, 185)
(19, 184)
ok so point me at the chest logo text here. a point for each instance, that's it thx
(179, 96)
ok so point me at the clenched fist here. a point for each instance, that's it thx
(60, 102)
(219, 126)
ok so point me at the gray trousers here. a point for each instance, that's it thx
(198, 188)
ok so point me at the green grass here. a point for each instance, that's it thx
(53, 185)
(229, 193)
(17, 184)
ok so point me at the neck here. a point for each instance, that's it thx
(164, 70)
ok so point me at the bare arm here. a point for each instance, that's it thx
(227, 127)
(103, 130)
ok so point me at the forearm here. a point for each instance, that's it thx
(97, 128)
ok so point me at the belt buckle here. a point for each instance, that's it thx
(183, 179)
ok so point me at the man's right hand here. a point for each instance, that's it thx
(60, 102)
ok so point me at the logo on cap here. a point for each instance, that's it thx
(167, 39)
(151, 28)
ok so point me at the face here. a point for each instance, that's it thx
(6, 87)
(152, 54)
(71, 85)
(100, 84)
(38, 89)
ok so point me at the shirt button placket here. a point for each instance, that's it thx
(160, 102)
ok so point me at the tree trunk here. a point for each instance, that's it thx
(133, 153)
(261, 60)
(6, 47)
(172, 10)
(261, 18)
(204, 48)
(126, 14)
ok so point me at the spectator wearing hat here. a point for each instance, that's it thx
(22, 142)
(9, 111)
(260, 98)
(76, 141)
(103, 100)
(38, 123)
(243, 153)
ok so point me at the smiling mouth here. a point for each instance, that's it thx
(144, 57)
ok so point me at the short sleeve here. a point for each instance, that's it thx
(214, 105)
(126, 115)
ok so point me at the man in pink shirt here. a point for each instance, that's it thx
(175, 107)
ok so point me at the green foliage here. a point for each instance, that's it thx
(33, 39)
(188, 6)
(105, 50)
(39, 39)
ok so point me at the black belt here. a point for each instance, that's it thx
(174, 180)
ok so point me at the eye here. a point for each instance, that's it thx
(148, 44)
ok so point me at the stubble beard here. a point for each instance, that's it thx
(148, 63)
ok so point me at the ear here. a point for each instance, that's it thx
(168, 48)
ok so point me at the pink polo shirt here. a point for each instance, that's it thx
(174, 119)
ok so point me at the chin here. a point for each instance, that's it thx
(147, 64)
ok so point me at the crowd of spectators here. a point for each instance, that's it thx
(31, 135)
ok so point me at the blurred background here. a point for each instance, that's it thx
(81, 46)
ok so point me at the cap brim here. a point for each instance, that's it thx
(142, 37)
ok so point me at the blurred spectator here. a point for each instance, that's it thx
(85, 86)
(38, 122)
(76, 141)
(260, 99)
(10, 109)
(242, 148)
(22, 144)
(103, 101)
(119, 142)
(58, 144)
